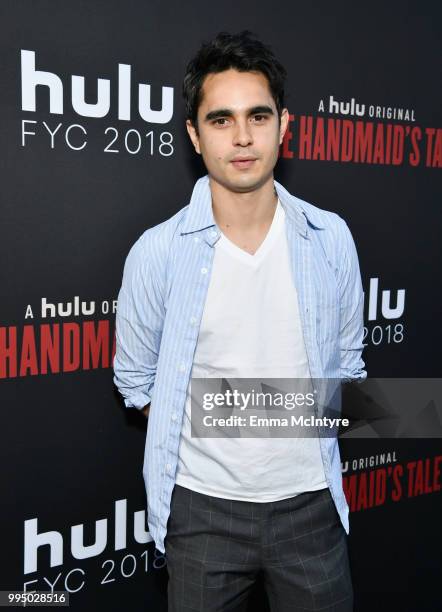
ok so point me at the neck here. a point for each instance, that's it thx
(243, 210)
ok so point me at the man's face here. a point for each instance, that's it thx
(237, 118)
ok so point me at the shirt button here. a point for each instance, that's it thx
(196, 238)
(168, 467)
(193, 320)
(182, 367)
(203, 270)
(174, 417)
(213, 233)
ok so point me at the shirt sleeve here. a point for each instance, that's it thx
(352, 311)
(138, 329)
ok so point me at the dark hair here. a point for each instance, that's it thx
(238, 51)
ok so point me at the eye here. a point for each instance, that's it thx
(260, 117)
(217, 121)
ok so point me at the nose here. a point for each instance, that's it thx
(242, 135)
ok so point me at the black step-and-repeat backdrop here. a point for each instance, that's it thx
(94, 151)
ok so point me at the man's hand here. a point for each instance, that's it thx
(145, 410)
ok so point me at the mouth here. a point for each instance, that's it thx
(243, 163)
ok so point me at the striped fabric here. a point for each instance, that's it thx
(160, 305)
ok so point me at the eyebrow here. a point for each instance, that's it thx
(227, 112)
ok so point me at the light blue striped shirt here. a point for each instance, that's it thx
(160, 305)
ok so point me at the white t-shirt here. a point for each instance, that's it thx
(250, 328)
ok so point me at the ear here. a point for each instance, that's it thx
(193, 136)
(284, 124)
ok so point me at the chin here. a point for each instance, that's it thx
(239, 181)
(245, 183)
(251, 180)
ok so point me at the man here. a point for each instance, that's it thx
(245, 281)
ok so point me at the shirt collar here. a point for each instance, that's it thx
(200, 214)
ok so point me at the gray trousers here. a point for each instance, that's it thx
(217, 548)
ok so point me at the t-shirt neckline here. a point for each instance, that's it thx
(277, 222)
